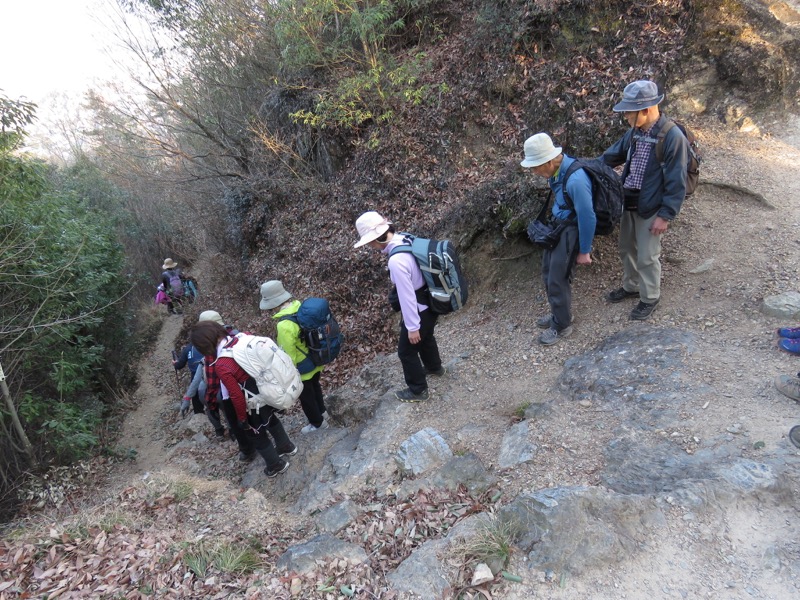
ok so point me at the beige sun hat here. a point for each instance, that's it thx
(211, 315)
(370, 227)
(273, 295)
(539, 149)
(169, 264)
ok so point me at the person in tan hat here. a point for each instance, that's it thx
(417, 347)
(654, 192)
(274, 297)
(172, 280)
(578, 220)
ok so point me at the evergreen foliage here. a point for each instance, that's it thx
(60, 278)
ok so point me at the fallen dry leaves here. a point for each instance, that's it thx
(141, 545)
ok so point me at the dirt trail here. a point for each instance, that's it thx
(143, 430)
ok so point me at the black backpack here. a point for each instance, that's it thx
(695, 154)
(607, 194)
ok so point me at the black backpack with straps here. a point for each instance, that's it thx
(608, 196)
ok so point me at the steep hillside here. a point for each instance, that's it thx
(449, 166)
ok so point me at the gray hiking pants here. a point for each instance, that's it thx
(558, 268)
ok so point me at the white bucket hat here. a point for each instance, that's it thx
(370, 227)
(539, 149)
(211, 315)
(273, 295)
(169, 264)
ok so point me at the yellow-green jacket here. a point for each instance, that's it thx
(289, 338)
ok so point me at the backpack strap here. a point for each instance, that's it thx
(293, 319)
(665, 129)
(576, 164)
(405, 245)
(543, 211)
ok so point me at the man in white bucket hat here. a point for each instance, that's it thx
(417, 347)
(575, 243)
(654, 192)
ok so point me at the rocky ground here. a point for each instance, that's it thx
(709, 401)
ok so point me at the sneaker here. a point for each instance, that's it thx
(438, 372)
(790, 345)
(794, 435)
(310, 428)
(546, 322)
(219, 434)
(291, 452)
(643, 310)
(407, 395)
(246, 458)
(281, 467)
(620, 294)
(552, 335)
(788, 386)
(793, 333)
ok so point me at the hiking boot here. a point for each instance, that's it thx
(643, 310)
(793, 333)
(246, 458)
(281, 467)
(790, 345)
(788, 386)
(552, 335)
(407, 395)
(438, 372)
(219, 434)
(620, 294)
(291, 452)
(794, 435)
(311, 428)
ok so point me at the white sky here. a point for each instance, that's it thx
(53, 46)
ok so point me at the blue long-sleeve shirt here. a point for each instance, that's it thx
(579, 188)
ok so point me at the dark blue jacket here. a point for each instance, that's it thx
(190, 356)
(663, 185)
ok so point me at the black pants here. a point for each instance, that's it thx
(242, 439)
(417, 359)
(197, 405)
(265, 426)
(312, 401)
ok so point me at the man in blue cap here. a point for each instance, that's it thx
(654, 192)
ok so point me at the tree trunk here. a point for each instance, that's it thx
(12, 410)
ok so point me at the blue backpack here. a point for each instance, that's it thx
(319, 331)
(441, 268)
